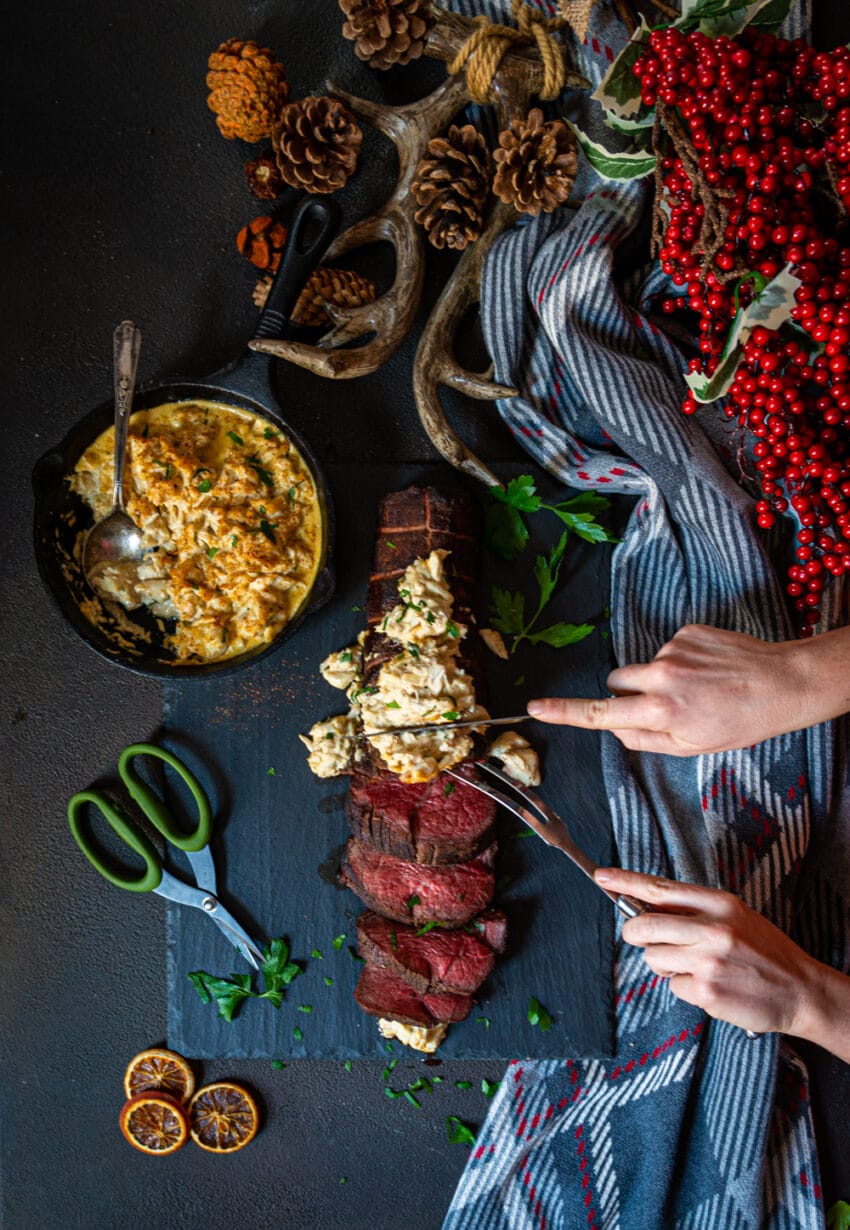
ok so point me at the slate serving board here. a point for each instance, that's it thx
(280, 829)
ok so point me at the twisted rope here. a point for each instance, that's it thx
(489, 43)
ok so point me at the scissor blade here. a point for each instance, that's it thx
(552, 830)
(466, 724)
(186, 894)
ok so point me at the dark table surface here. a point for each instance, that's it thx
(122, 200)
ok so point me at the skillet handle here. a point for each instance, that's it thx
(314, 225)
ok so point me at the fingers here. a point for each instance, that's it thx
(600, 713)
(667, 894)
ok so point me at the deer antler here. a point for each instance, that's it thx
(389, 317)
(519, 74)
(410, 128)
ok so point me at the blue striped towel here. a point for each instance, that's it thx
(693, 1125)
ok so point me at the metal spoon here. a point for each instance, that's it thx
(115, 543)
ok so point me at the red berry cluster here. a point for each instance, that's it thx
(769, 123)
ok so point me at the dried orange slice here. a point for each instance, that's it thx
(159, 1069)
(223, 1117)
(154, 1122)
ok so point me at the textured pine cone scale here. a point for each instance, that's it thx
(342, 288)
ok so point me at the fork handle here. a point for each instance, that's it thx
(630, 907)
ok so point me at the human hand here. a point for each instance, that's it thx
(719, 954)
(706, 690)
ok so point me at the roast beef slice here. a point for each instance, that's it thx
(414, 894)
(438, 960)
(381, 993)
(441, 821)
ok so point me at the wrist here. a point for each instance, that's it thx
(823, 1011)
(818, 676)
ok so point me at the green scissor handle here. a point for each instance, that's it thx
(153, 808)
(134, 837)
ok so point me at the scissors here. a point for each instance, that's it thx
(154, 878)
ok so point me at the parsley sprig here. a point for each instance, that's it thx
(230, 993)
(507, 531)
(508, 615)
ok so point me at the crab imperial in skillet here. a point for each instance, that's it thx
(230, 521)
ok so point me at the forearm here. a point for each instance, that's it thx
(825, 1016)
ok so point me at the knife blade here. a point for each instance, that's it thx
(460, 725)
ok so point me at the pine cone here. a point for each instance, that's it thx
(387, 32)
(536, 164)
(316, 143)
(264, 178)
(248, 88)
(451, 186)
(339, 286)
(262, 241)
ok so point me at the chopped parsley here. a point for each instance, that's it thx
(231, 435)
(413, 900)
(268, 528)
(391, 545)
(463, 1084)
(318, 954)
(452, 629)
(483, 1020)
(451, 715)
(345, 656)
(426, 927)
(393, 704)
(448, 789)
(458, 1132)
(413, 650)
(212, 553)
(234, 538)
(339, 941)
(347, 1065)
(489, 1088)
(394, 941)
(262, 474)
(278, 1064)
(537, 1015)
(297, 1034)
(328, 981)
(308, 1008)
(271, 772)
(269, 433)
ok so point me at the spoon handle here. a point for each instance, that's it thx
(127, 342)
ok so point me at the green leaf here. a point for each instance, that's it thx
(227, 994)
(561, 634)
(618, 93)
(520, 493)
(770, 309)
(618, 167)
(489, 1088)
(729, 17)
(505, 530)
(458, 1132)
(771, 17)
(278, 970)
(507, 613)
(546, 570)
(537, 1015)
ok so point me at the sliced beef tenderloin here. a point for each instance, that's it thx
(441, 821)
(492, 928)
(415, 894)
(439, 960)
(381, 993)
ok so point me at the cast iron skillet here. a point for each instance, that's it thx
(134, 638)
